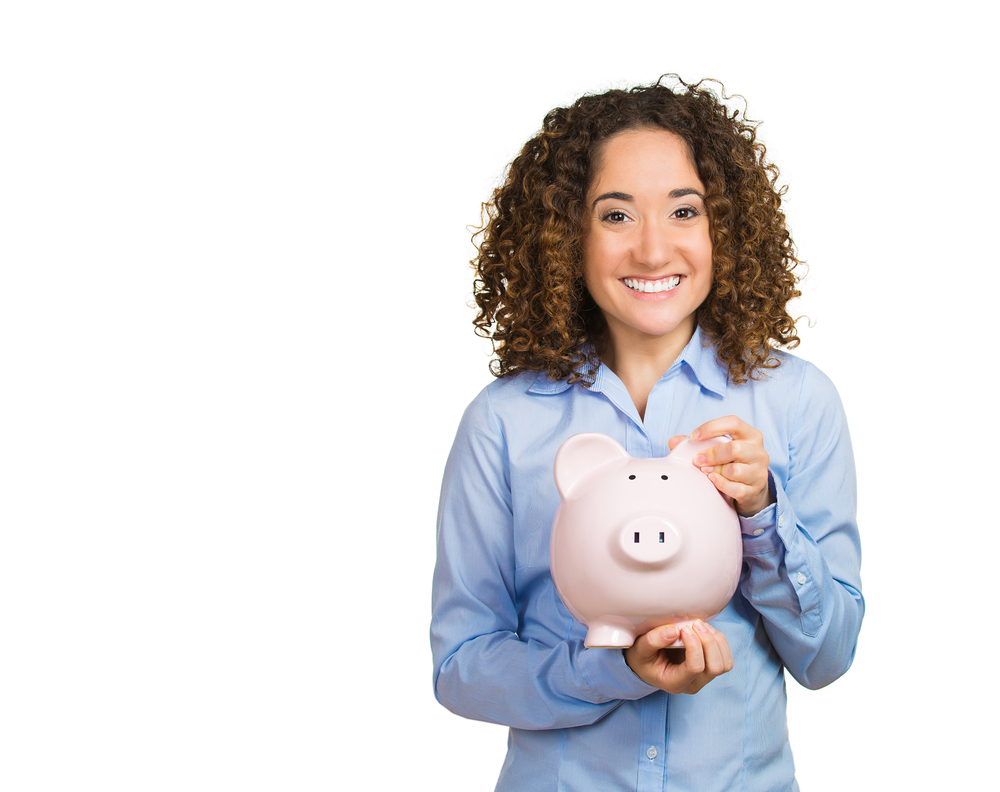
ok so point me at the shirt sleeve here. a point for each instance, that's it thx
(482, 668)
(804, 552)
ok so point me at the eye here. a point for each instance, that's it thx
(614, 216)
(686, 213)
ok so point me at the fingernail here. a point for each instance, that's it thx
(711, 629)
(707, 469)
(700, 459)
(670, 634)
(701, 627)
(695, 434)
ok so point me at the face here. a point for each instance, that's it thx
(647, 250)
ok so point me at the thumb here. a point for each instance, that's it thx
(662, 637)
(673, 441)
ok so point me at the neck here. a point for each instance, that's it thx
(640, 361)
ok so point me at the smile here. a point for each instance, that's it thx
(651, 287)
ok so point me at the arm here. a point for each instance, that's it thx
(482, 668)
(802, 548)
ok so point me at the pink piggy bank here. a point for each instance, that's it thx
(638, 543)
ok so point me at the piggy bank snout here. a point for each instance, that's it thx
(648, 540)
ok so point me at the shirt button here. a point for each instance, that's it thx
(651, 752)
(802, 578)
(781, 520)
(758, 532)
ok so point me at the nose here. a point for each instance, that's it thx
(656, 244)
(649, 540)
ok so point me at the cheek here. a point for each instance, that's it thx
(601, 254)
(593, 259)
(699, 253)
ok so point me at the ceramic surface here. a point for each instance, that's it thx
(638, 543)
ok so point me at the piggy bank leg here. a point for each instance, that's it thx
(610, 634)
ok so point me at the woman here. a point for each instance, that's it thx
(634, 273)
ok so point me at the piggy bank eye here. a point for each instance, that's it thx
(632, 477)
(663, 477)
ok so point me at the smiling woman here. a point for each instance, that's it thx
(633, 274)
(531, 290)
(648, 249)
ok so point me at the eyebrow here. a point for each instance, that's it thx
(620, 196)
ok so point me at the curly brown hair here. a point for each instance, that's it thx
(530, 279)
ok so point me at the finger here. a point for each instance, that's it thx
(679, 679)
(727, 655)
(727, 425)
(748, 452)
(737, 490)
(716, 427)
(739, 473)
(662, 637)
(716, 455)
(641, 651)
(673, 441)
(714, 663)
(671, 678)
(646, 648)
(710, 457)
(694, 660)
(748, 499)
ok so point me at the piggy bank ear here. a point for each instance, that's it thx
(687, 449)
(581, 455)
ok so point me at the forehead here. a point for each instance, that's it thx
(650, 157)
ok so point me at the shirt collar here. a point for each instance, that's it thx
(546, 386)
(701, 359)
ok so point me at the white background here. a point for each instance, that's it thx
(235, 344)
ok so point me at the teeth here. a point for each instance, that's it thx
(651, 287)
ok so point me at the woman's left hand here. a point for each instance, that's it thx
(738, 468)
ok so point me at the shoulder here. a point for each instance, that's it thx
(814, 411)
(505, 393)
(813, 387)
(798, 379)
(791, 401)
(507, 397)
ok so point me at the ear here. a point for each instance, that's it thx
(687, 449)
(581, 455)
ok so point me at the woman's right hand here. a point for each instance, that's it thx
(705, 656)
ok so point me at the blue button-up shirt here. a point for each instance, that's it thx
(507, 651)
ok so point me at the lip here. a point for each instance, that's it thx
(652, 296)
